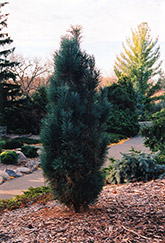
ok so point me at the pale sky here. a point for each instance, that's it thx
(36, 26)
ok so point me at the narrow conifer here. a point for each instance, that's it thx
(73, 132)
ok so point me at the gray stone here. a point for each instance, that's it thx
(40, 151)
(21, 156)
(4, 175)
(35, 167)
(24, 170)
(19, 174)
(1, 180)
(30, 163)
(12, 173)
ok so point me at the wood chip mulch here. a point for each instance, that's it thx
(129, 213)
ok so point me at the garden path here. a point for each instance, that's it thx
(115, 151)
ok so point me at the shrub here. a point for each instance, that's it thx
(115, 138)
(29, 151)
(135, 166)
(13, 144)
(123, 118)
(32, 195)
(160, 159)
(27, 140)
(155, 135)
(9, 157)
(2, 144)
(123, 122)
(107, 170)
(39, 102)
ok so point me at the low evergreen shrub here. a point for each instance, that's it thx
(2, 144)
(27, 140)
(122, 122)
(160, 159)
(123, 117)
(36, 191)
(13, 144)
(155, 135)
(9, 157)
(29, 151)
(107, 170)
(18, 142)
(32, 195)
(135, 166)
(115, 138)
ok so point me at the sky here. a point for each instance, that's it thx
(36, 26)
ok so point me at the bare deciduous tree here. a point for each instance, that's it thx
(31, 73)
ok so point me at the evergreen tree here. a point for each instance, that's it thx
(155, 135)
(140, 61)
(8, 90)
(123, 118)
(73, 133)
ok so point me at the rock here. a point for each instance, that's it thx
(12, 173)
(40, 151)
(19, 174)
(35, 167)
(30, 163)
(4, 175)
(24, 170)
(21, 156)
(1, 180)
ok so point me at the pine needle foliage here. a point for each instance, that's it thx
(135, 166)
(155, 135)
(72, 134)
(140, 61)
(123, 118)
(8, 90)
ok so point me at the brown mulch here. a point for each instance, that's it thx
(124, 213)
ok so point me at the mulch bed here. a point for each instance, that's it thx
(129, 213)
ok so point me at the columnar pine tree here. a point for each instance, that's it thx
(140, 61)
(8, 90)
(73, 133)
